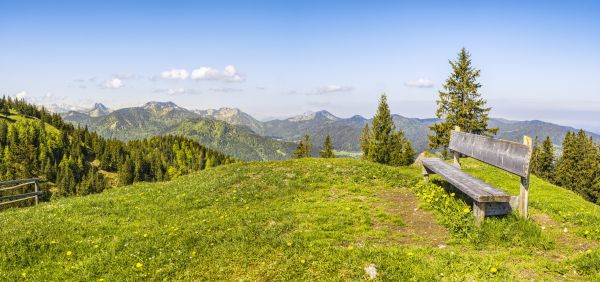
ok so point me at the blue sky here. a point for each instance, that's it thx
(538, 59)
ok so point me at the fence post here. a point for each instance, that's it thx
(35, 184)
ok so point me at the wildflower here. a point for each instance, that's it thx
(587, 232)
(24, 274)
(350, 248)
(347, 209)
(69, 253)
(302, 261)
(493, 270)
(452, 194)
(589, 251)
(410, 254)
(371, 271)
(139, 265)
(466, 210)
(289, 244)
(145, 235)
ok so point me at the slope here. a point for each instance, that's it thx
(309, 219)
(164, 118)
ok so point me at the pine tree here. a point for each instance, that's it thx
(4, 109)
(402, 153)
(327, 151)
(408, 154)
(578, 166)
(542, 163)
(382, 135)
(460, 104)
(126, 172)
(304, 148)
(365, 142)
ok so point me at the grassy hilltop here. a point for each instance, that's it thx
(310, 219)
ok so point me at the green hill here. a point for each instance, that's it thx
(166, 118)
(309, 219)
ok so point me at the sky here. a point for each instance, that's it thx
(538, 59)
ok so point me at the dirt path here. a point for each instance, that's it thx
(420, 227)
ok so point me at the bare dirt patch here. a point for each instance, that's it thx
(420, 227)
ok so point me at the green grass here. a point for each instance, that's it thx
(310, 219)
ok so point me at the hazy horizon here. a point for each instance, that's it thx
(538, 60)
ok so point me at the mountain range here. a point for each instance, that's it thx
(237, 133)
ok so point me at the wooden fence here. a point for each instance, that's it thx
(23, 184)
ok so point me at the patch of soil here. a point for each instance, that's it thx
(420, 227)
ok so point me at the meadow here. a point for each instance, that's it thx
(307, 219)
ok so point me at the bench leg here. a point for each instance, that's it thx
(425, 175)
(479, 212)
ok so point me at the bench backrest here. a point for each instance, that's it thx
(510, 156)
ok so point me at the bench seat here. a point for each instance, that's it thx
(476, 189)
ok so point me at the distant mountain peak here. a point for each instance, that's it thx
(156, 104)
(310, 115)
(98, 110)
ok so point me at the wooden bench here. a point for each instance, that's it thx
(487, 199)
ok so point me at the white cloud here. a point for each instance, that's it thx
(21, 95)
(113, 83)
(420, 83)
(128, 75)
(175, 74)
(228, 74)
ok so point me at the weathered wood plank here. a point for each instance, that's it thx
(10, 197)
(20, 181)
(510, 156)
(18, 200)
(471, 186)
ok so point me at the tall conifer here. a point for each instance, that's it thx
(460, 104)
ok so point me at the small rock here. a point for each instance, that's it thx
(442, 246)
(371, 271)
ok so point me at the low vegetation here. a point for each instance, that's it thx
(306, 219)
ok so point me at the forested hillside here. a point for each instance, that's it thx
(75, 161)
(165, 118)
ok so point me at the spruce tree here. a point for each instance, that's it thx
(578, 166)
(382, 134)
(327, 151)
(126, 172)
(542, 163)
(460, 104)
(304, 148)
(365, 142)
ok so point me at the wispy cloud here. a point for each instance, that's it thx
(225, 89)
(420, 83)
(177, 91)
(128, 75)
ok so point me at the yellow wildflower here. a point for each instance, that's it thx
(493, 270)
(69, 253)
(139, 265)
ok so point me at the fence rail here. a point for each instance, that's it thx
(10, 199)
